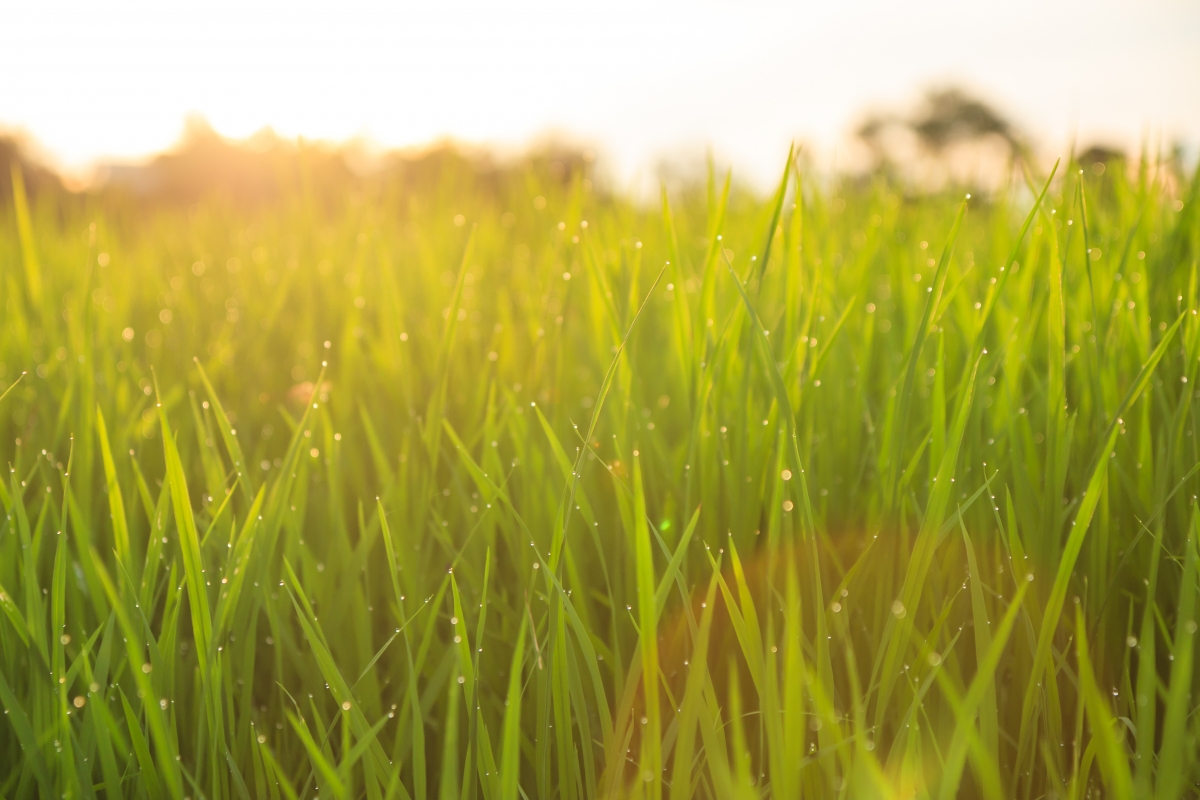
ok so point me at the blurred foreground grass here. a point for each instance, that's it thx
(405, 495)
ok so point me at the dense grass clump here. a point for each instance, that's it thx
(515, 488)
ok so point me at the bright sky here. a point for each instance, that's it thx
(640, 80)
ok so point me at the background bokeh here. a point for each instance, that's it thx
(639, 81)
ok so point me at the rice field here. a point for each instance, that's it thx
(519, 487)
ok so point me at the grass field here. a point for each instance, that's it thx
(404, 493)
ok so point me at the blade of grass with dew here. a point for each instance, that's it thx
(1145, 694)
(671, 574)
(510, 749)
(904, 399)
(582, 639)
(899, 626)
(652, 766)
(25, 734)
(115, 503)
(141, 749)
(326, 770)
(163, 740)
(743, 769)
(989, 728)
(1083, 518)
(1178, 749)
(198, 600)
(976, 694)
(338, 687)
(33, 602)
(228, 434)
(1114, 761)
(13, 614)
(58, 624)
(239, 563)
(683, 782)
(808, 524)
(743, 617)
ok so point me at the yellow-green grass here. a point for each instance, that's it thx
(516, 488)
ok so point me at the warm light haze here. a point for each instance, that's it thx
(643, 81)
(600, 401)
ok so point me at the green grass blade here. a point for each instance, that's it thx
(1079, 529)
(1114, 761)
(1177, 748)
(116, 505)
(983, 681)
(510, 749)
(652, 764)
(989, 727)
(228, 435)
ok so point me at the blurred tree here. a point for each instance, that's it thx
(951, 115)
(950, 135)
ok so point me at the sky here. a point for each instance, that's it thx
(642, 82)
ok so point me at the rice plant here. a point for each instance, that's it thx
(519, 488)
